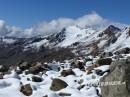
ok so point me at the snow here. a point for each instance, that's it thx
(75, 34)
(122, 41)
(102, 43)
(10, 41)
(103, 68)
(10, 85)
(36, 45)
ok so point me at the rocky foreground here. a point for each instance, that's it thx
(84, 77)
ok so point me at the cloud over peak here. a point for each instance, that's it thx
(53, 26)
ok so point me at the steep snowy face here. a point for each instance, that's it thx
(122, 41)
(75, 34)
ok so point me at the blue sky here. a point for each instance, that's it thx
(25, 13)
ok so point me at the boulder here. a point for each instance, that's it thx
(123, 51)
(67, 72)
(58, 84)
(18, 71)
(106, 54)
(26, 89)
(36, 79)
(4, 68)
(104, 61)
(64, 94)
(1, 76)
(35, 69)
(99, 72)
(80, 65)
(90, 68)
(118, 79)
(23, 66)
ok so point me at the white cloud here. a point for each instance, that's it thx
(53, 26)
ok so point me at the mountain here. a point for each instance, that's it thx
(72, 41)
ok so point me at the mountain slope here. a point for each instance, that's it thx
(72, 41)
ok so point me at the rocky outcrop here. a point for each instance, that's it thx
(117, 82)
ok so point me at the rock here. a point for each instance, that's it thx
(93, 77)
(120, 75)
(1, 76)
(105, 61)
(64, 94)
(106, 54)
(36, 69)
(80, 81)
(80, 87)
(78, 64)
(24, 66)
(4, 68)
(99, 72)
(26, 89)
(58, 84)
(67, 72)
(53, 95)
(90, 68)
(123, 51)
(45, 96)
(36, 79)
(27, 72)
(18, 71)
(89, 72)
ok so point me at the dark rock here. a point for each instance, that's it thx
(64, 94)
(58, 84)
(80, 81)
(1, 76)
(24, 66)
(78, 64)
(80, 87)
(90, 68)
(36, 79)
(27, 72)
(111, 30)
(18, 71)
(28, 79)
(105, 61)
(4, 68)
(106, 54)
(26, 89)
(67, 72)
(45, 96)
(89, 72)
(36, 69)
(123, 51)
(99, 72)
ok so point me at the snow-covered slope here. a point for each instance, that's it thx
(79, 84)
(74, 39)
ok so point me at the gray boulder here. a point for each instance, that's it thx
(58, 84)
(26, 89)
(118, 78)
